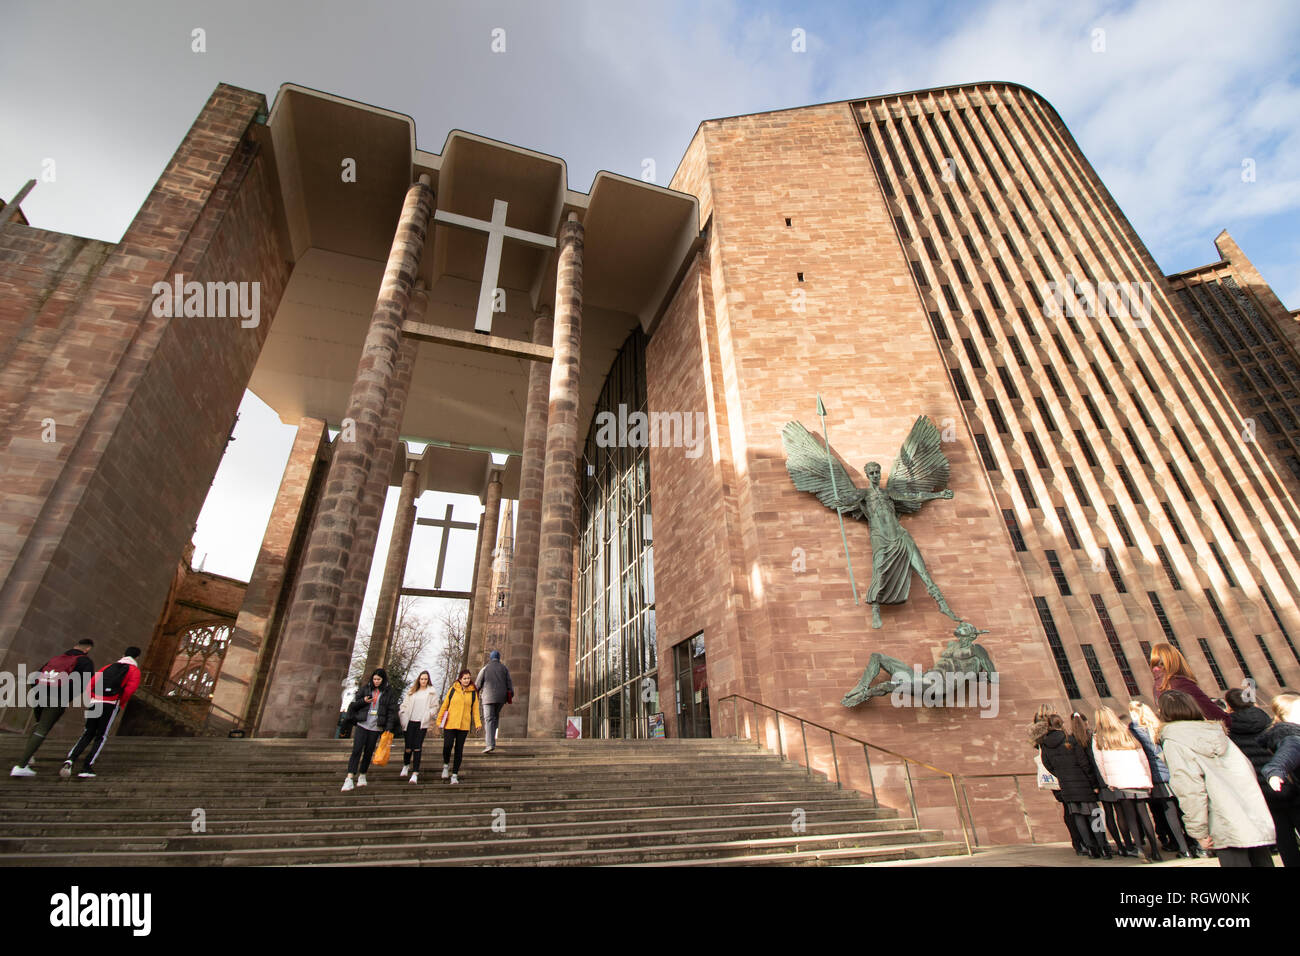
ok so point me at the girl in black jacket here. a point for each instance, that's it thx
(1081, 732)
(1071, 764)
(374, 709)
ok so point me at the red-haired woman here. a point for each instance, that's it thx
(1169, 671)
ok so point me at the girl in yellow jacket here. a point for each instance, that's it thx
(459, 709)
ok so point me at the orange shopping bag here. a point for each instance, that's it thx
(383, 749)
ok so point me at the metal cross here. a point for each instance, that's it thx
(498, 232)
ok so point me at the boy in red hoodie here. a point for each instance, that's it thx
(109, 692)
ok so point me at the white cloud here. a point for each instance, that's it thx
(1183, 92)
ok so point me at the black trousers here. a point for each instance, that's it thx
(1244, 855)
(1069, 826)
(97, 729)
(363, 748)
(414, 741)
(1286, 820)
(450, 737)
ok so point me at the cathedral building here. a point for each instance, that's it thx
(611, 373)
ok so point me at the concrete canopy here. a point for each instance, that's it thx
(637, 239)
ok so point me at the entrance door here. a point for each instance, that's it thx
(692, 688)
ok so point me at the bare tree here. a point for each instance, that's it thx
(446, 661)
(413, 638)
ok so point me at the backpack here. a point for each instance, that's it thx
(57, 670)
(113, 678)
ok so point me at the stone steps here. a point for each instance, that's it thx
(651, 847)
(563, 803)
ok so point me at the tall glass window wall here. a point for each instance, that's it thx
(617, 656)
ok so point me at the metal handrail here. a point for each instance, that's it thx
(1020, 797)
(907, 761)
(167, 688)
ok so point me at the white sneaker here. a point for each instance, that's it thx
(85, 774)
(348, 784)
(22, 772)
(415, 778)
(454, 779)
(488, 750)
(446, 771)
(66, 769)
(361, 780)
(406, 768)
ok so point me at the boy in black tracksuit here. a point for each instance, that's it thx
(48, 716)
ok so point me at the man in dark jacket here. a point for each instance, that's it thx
(497, 689)
(60, 678)
(1248, 732)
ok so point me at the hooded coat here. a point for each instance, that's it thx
(1069, 762)
(1216, 785)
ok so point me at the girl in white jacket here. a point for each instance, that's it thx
(1126, 777)
(1215, 784)
(416, 713)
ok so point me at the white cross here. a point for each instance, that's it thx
(497, 231)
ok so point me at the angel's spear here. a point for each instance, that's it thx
(830, 467)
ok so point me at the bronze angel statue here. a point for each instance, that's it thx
(920, 472)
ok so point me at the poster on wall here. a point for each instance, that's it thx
(657, 725)
(573, 728)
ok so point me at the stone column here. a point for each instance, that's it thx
(309, 665)
(473, 589)
(390, 593)
(518, 652)
(487, 539)
(550, 669)
(370, 512)
(253, 633)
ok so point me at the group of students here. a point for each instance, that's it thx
(105, 696)
(376, 708)
(1195, 778)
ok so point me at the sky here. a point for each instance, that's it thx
(1172, 101)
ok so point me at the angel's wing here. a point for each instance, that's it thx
(920, 467)
(811, 468)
